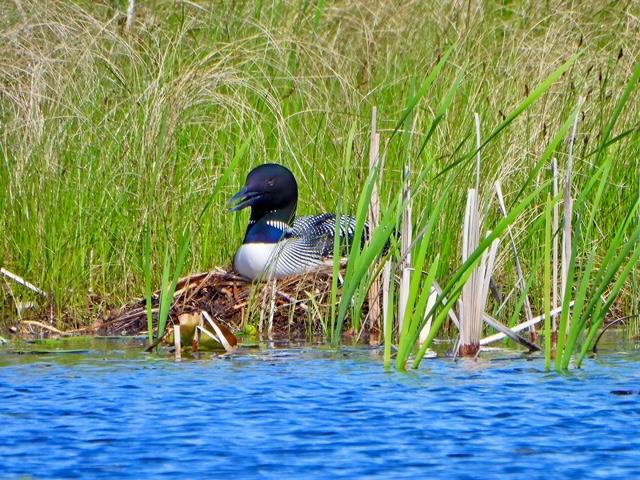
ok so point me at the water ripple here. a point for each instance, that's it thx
(297, 412)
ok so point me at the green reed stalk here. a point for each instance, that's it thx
(616, 254)
(148, 282)
(170, 276)
(601, 310)
(419, 290)
(547, 283)
(337, 251)
(424, 88)
(388, 327)
(454, 287)
(358, 268)
(360, 261)
(416, 280)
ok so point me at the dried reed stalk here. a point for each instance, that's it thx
(131, 14)
(568, 211)
(374, 220)
(176, 342)
(554, 265)
(522, 326)
(405, 241)
(386, 284)
(476, 290)
(22, 281)
(219, 334)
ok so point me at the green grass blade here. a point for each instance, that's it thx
(424, 88)
(631, 86)
(241, 152)
(576, 324)
(165, 298)
(604, 275)
(598, 319)
(526, 103)
(388, 328)
(448, 99)
(148, 282)
(547, 284)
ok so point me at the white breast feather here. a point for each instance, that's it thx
(252, 259)
(274, 260)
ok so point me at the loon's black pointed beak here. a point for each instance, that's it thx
(243, 199)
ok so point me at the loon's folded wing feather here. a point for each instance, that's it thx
(319, 231)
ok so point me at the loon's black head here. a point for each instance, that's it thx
(269, 189)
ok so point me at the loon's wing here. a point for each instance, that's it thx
(319, 231)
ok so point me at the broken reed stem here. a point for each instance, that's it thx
(272, 308)
(374, 219)
(424, 333)
(386, 284)
(470, 314)
(547, 284)
(177, 341)
(476, 290)
(406, 240)
(195, 345)
(469, 341)
(568, 211)
(523, 326)
(521, 280)
(131, 14)
(22, 281)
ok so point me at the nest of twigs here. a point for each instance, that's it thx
(295, 307)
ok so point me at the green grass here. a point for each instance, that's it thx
(112, 144)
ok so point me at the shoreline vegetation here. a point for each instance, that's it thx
(488, 145)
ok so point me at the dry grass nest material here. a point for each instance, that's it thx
(293, 307)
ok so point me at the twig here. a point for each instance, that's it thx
(617, 320)
(272, 309)
(46, 327)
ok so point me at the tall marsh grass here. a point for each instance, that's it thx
(117, 126)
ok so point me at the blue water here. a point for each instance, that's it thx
(110, 412)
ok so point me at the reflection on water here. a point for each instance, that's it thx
(108, 411)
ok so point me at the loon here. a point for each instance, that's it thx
(276, 243)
